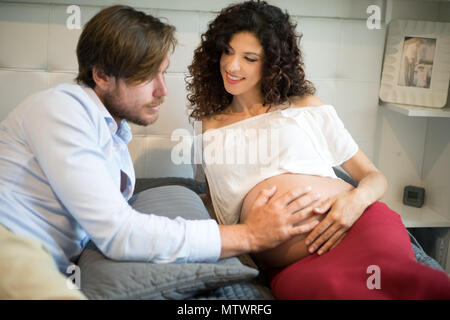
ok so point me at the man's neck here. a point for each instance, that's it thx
(100, 96)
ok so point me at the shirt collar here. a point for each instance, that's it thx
(124, 131)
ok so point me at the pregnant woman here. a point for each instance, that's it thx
(263, 126)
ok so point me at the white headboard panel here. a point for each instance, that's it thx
(342, 58)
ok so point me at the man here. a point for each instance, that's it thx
(66, 173)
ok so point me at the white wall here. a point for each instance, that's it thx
(342, 56)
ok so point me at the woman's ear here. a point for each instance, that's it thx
(102, 81)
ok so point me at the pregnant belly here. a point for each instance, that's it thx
(294, 249)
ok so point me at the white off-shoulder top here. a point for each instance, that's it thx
(304, 140)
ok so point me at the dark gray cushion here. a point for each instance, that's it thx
(147, 183)
(249, 290)
(102, 278)
(340, 173)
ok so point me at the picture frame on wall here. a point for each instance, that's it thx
(416, 68)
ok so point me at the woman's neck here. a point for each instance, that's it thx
(249, 104)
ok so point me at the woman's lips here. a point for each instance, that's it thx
(231, 79)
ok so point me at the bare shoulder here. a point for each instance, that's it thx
(306, 101)
(218, 120)
(212, 121)
(208, 122)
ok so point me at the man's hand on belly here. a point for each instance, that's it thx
(271, 221)
(274, 220)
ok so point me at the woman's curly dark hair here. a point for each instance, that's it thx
(283, 73)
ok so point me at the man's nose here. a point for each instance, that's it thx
(160, 87)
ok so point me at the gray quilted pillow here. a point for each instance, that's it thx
(102, 278)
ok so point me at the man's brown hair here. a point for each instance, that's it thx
(124, 43)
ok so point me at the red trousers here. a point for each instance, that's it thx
(373, 261)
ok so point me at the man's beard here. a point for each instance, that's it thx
(132, 115)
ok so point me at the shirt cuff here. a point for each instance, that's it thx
(203, 240)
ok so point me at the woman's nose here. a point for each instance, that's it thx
(233, 64)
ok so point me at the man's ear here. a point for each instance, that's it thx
(101, 79)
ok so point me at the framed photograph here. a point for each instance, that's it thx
(416, 68)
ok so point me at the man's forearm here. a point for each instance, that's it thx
(235, 240)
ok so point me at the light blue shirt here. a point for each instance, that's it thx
(61, 154)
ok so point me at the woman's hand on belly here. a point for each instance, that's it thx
(343, 211)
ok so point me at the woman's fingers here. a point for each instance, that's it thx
(321, 227)
(339, 240)
(304, 228)
(324, 206)
(332, 242)
(325, 224)
(323, 238)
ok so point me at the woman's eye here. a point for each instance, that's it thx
(250, 59)
(227, 51)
